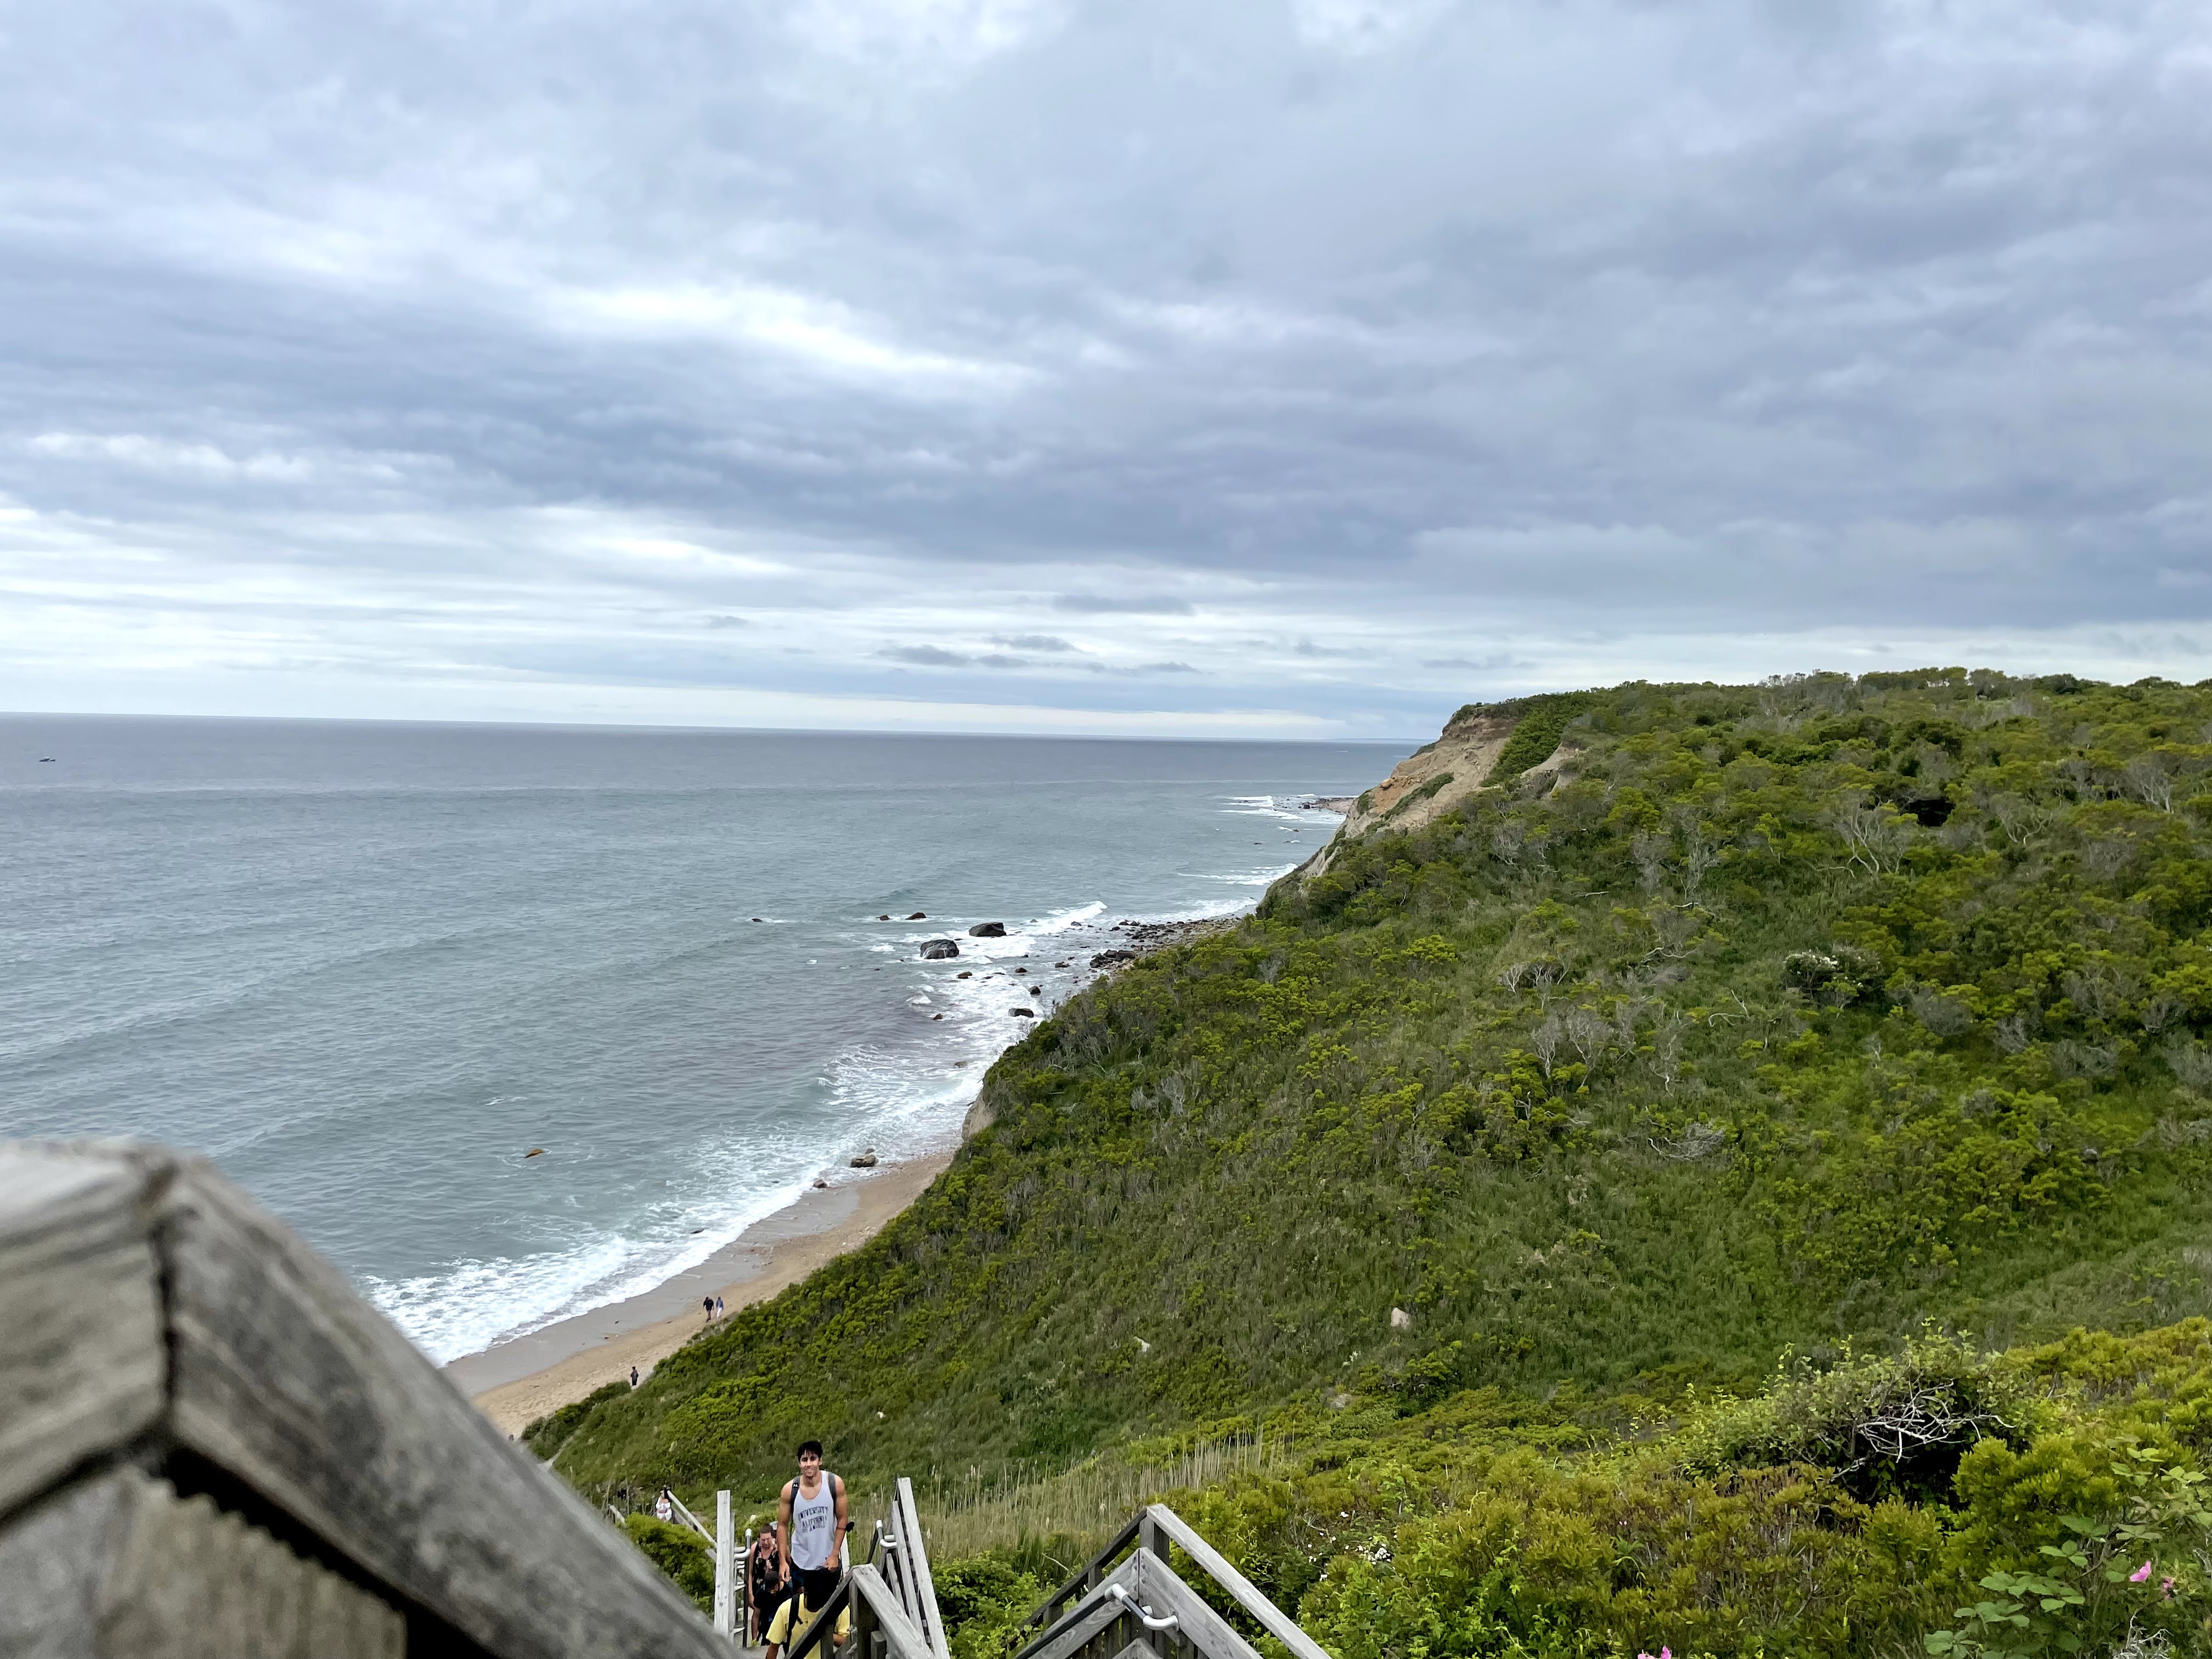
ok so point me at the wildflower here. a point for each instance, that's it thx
(2166, 1588)
(2140, 1574)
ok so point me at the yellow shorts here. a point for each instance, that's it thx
(780, 1631)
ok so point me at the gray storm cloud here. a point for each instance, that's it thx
(1276, 367)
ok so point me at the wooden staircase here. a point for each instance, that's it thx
(1127, 1603)
(1141, 1608)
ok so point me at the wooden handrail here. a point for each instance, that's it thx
(697, 1525)
(1269, 1617)
(162, 1326)
(1152, 1531)
(1084, 1576)
(863, 1595)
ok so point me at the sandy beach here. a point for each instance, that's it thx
(521, 1380)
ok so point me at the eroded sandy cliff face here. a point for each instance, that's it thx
(1430, 780)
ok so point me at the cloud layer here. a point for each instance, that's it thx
(1301, 368)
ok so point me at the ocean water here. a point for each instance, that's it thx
(369, 968)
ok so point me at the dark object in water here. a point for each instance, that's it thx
(535, 1152)
(988, 930)
(1022, 1013)
(938, 949)
(1112, 958)
(883, 918)
(865, 1161)
(918, 916)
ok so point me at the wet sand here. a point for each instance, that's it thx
(521, 1380)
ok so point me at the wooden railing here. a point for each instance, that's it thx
(1103, 1610)
(205, 1431)
(890, 1598)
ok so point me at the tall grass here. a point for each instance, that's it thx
(1072, 1512)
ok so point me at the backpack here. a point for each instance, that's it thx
(837, 1544)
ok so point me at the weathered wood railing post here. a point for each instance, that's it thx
(724, 1579)
(209, 1443)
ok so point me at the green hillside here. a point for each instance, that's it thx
(1780, 1024)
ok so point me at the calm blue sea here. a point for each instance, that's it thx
(368, 968)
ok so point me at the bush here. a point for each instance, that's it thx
(547, 1435)
(984, 1600)
(679, 1552)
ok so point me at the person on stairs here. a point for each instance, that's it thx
(812, 1518)
(764, 1590)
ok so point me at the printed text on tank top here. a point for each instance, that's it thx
(814, 1524)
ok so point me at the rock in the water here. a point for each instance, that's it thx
(988, 930)
(1022, 1013)
(918, 916)
(822, 1183)
(535, 1152)
(1112, 958)
(938, 949)
(883, 918)
(966, 973)
(865, 1161)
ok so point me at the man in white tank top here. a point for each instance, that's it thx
(812, 1516)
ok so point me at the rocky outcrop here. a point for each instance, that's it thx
(988, 930)
(1432, 780)
(938, 949)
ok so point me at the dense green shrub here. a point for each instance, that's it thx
(679, 1553)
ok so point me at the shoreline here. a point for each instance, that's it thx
(518, 1381)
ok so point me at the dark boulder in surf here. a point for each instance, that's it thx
(988, 930)
(937, 950)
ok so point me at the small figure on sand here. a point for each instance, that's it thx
(708, 1303)
(718, 1307)
(633, 1377)
(812, 1513)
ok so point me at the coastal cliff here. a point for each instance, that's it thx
(1727, 1169)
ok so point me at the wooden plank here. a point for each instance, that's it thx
(1091, 1613)
(900, 1635)
(1271, 1618)
(1199, 1625)
(284, 1378)
(118, 1566)
(84, 1369)
(725, 1562)
(915, 1566)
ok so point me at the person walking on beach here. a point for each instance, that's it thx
(633, 1377)
(708, 1303)
(814, 1515)
(718, 1307)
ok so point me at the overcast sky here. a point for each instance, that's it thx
(1295, 368)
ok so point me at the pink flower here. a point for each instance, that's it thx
(2166, 1588)
(2140, 1574)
